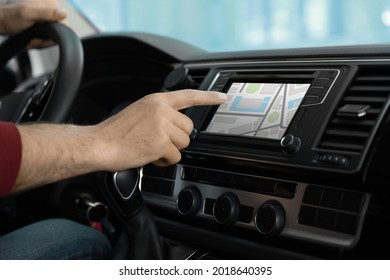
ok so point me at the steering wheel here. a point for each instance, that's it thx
(49, 100)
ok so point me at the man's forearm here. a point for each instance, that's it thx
(54, 152)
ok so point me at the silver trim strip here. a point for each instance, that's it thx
(246, 62)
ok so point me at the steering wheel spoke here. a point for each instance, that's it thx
(37, 103)
(28, 102)
(51, 98)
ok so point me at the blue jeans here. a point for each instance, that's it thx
(54, 239)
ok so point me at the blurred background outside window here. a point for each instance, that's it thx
(232, 25)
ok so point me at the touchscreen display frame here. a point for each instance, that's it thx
(257, 109)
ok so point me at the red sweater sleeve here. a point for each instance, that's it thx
(10, 156)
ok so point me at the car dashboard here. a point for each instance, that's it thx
(293, 166)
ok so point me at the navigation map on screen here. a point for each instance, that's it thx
(262, 110)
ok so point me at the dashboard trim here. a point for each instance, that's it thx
(251, 63)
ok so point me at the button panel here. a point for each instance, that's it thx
(332, 198)
(328, 219)
(313, 213)
(331, 209)
(333, 159)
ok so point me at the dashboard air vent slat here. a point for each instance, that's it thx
(365, 99)
(339, 145)
(198, 74)
(350, 132)
(364, 88)
(352, 122)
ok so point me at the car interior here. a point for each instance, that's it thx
(293, 166)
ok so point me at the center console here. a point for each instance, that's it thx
(285, 157)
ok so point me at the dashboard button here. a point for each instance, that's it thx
(333, 159)
(217, 87)
(226, 75)
(323, 82)
(311, 100)
(331, 198)
(316, 91)
(308, 215)
(326, 219)
(327, 74)
(313, 195)
(347, 223)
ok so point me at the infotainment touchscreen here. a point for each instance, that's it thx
(261, 110)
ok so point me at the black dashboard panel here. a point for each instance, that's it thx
(316, 190)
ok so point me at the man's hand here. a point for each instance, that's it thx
(149, 130)
(16, 17)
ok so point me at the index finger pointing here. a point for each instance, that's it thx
(182, 99)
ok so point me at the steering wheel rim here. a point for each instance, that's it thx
(68, 74)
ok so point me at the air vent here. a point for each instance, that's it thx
(198, 74)
(158, 180)
(358, 113)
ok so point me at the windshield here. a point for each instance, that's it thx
(235, 25)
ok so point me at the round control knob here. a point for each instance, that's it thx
(226, 209)
(290, 143)
(179, 79)
(188, 201)
(270, 218)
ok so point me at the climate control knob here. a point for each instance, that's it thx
(226, 209)
(270, 218)
(189, 201)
